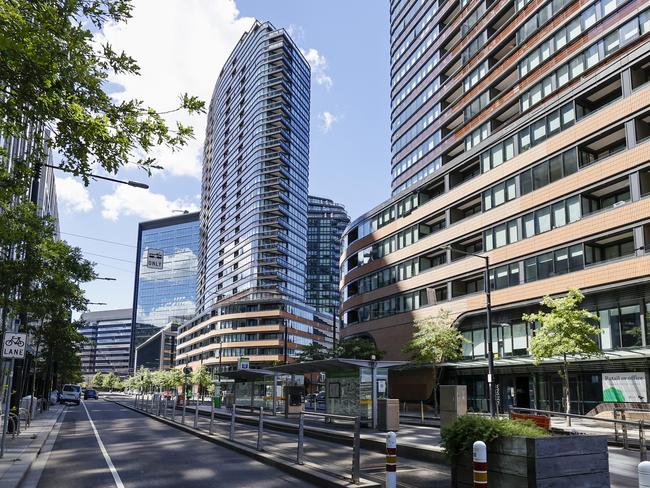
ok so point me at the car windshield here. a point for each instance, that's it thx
(71, 388)
(90, 392)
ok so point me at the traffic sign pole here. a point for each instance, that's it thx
(5, 421)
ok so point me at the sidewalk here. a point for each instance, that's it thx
(21, 452)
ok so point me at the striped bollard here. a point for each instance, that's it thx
(479, 458)
(391, 460)
(644, 474)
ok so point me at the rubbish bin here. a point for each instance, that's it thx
(388, 414)
(216, 401)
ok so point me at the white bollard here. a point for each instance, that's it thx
(391, 460)
(479, 459)
(644, 474)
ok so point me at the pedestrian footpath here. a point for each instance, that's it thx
(21, 451)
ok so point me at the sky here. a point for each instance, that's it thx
(180, 46)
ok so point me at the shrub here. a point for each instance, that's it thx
(458, 438)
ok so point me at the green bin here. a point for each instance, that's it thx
(216, 401)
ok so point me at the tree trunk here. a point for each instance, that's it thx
(566, 390)
(435, 390)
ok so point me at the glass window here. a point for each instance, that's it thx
(563, 75)
(573, 208)
(554, 122)
(545, 265)
(500, 235)
(511, 189)
(519, 338)
(497, 156)
(499, 194)
(568, 115)
(559, 214)
(539, 131)
(607, 6)
(576, 258)
(501, 277)
(570, 162)
(560, 38)
(561, 261)
(644, 20)
(540, 175)
(512, 232)
(524, 139)
(479, 342)
(543, 217)
(507, 339)
(510, 148)
(526, 182)
(577, 66)
(573, 29)
(467, 344)
(530, 273)
(592, 56)
(629, 31)
(608, 336)
(489, 240)
(529, 225)
(612, 43)
(555, 166)
(630, 321)
(513, 279)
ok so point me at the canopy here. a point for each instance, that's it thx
(336, 364)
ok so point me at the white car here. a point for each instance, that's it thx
(71, 393)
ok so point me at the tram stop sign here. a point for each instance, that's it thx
(13, 345)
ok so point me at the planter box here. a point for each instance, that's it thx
(550, 462)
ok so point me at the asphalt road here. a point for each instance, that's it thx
(143, 453)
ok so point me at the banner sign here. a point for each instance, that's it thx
(13, 345)
(624, 387)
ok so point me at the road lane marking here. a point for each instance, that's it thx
(111, 466)
(36, 470)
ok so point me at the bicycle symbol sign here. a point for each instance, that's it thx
(13, 345)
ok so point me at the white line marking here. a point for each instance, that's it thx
(36, 470)
(116, 476)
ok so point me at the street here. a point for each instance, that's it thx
(141, 452)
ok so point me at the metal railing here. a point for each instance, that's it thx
(615, 421)
(157, 406)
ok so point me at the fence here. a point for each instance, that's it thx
(158, 406)
(621, 426)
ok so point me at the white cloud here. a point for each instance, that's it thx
(177, 266)
(73, 195)
(180, 46)
(296, 32)
(126, 200)
(327, 119)
(319, 67)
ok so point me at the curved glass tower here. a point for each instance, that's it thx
(255, 173)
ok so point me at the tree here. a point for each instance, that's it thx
(53, 77)
(110, 381)
(175, 378)
(564, 331)
(313, 352)
(435, 341)
(98, 380)
(202, 378)
(357, 348)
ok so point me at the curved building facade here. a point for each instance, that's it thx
(520, 133)
(253, 224)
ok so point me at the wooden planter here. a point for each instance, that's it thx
(579, 461)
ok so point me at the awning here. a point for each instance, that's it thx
(248, 374)
(330, 365)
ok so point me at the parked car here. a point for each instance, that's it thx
(90, 394)
(71, 393)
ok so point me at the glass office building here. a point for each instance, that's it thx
(166, 270)
(253, 250)
(520, 132)
(326, 222)
(108, 342)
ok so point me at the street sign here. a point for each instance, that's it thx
(155, 258)
(13, 345)
(243, 363)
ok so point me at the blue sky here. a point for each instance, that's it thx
(181, 45)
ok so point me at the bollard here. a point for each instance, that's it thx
(625, 444)
(260, 431)
(615, 412)
(301, 438)
(184, 407)
(391, 460)
(421, 412)
(232, 423)
(174, 400)
(135, 401)
(165, 408)
(356, 451)
(196, 414)
(211, 416)
(644, 474)
(479, 459)
(642, 447)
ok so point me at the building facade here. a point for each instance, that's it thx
(166, 275)
(108, 335)
(520, 133)
(253, 249)
(326, 222)
(159, 351)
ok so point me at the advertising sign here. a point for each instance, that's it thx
(243, 363)
(155, 258)
(13, 345)
(624, 387)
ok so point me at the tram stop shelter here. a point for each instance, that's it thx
(352, 386)
(255, 388)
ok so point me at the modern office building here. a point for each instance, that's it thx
(159, 351)
(253, 249)
(326, 222)
(165, 276)
(520, 133)
(108, 335)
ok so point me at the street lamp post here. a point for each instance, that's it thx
(488, 310)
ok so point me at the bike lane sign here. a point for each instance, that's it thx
(13, 345)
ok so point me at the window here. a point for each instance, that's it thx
(499, 194)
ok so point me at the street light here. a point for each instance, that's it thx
(488, 310)
(136, 184)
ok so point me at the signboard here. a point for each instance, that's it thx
(381, 386)
(13, 345)
(624, 387)
(243, 363)
(155, 258)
